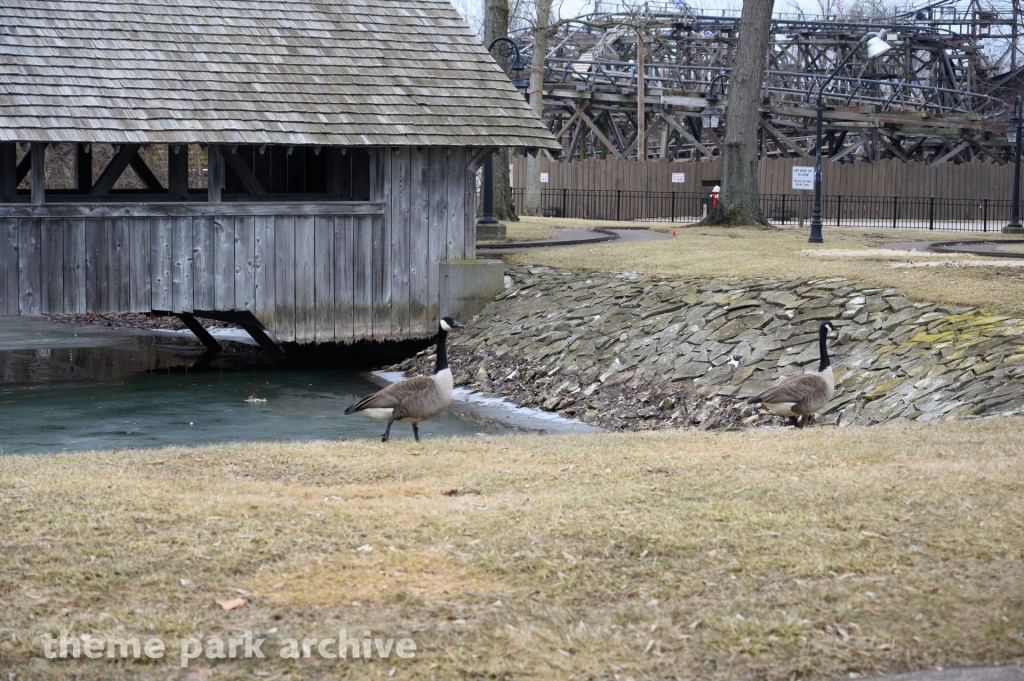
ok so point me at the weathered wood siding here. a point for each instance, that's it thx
(315, 272)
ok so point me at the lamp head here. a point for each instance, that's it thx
(710, 117)
(520, 85)
(1012, 132)
(877, 45)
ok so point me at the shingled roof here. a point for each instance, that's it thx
(337, 72)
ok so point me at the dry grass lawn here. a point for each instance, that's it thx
(528, 229)
(730, 555)
(784, 253)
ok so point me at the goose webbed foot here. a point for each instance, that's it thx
(416, 432)
(387, 431)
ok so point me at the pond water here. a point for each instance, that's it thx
(66, 388)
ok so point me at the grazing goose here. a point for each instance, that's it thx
(415, 399)
(800, 396)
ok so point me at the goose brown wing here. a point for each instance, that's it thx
(391, 396)
(797, 389)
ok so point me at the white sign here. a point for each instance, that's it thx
(803, 177)
(678, 178)
(543, 177)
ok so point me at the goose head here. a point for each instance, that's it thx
(826, 329)
(447, 324)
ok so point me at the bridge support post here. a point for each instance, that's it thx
(269, 346)
(200, 331)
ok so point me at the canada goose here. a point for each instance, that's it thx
(800, 396)
(415, 399)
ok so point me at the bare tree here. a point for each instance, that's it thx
(542, 29)
(738, 202)
(496, 25)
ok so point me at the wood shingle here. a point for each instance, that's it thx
(340, 72)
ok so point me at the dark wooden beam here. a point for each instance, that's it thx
(8, 169)
(952, 154)
(716, 139)
(894, 149)
(269, 346)
(335, 164)
(177, 170)
(837, 143)
(88, 209)
(23, 167)
(242, 169)
(848, 150)
(982, 149)
(109, 176)
(600, 135)
(138, 164)
(917, 145)
(200, 331)
(685, 134)
(38, 154)
(478, 159)
(215, 174)
(83, 167)
(781, 139)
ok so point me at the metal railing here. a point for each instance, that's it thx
(903, 212)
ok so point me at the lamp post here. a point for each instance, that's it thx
(1013, 136)
(876, 47)
(711, 116)
(508, 48)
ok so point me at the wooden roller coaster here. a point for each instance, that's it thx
(943, 93)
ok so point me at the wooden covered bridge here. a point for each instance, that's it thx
(304, 167)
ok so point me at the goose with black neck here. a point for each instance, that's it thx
(800, 397)
(416, 399)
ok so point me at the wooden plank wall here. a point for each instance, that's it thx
(889, 177)
(308, 278)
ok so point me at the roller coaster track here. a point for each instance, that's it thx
(938, 95)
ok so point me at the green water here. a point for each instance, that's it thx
(122, 390)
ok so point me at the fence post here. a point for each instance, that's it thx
(984, 215)
(618, 204)
(931, 212)
(672, 218)
(784, 216)
(895, 203)
(839, 206)
(565, 196)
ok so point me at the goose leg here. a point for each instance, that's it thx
(416, 432)
(801, 422)
(387, 431)
(793, 420)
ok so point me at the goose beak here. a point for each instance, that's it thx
(456, 325)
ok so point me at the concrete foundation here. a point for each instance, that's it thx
(467, 286)
(490, 232)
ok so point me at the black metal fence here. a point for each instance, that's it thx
(904, 212)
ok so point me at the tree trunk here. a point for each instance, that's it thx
(531, 200)
(504, 205)
(495, 26)
(738, 202)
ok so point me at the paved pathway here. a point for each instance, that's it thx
(570, 237)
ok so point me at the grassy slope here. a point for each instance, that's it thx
(780, 253)
(726, 555)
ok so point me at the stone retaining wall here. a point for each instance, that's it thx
(675, 347)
